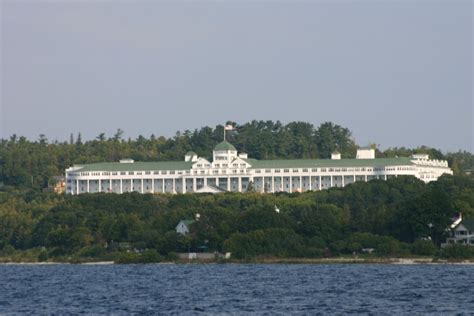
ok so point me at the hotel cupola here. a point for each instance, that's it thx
(224, 152)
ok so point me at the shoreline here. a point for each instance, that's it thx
(339, 260)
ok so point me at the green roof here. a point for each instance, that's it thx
(322, 163)
(225, 145)
(255, 164)
(136, 166)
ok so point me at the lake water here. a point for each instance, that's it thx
(236, 289)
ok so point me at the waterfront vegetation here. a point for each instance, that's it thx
(393, 217)
(397, 218)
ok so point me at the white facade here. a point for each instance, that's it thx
(230, 171)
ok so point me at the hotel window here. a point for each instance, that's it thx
(331, 169)
(199, 165)
(286, 170)
(295, 170)
(268, 171)
(277, 170)
(139, 173)
(224, 165)
(323, 169)
(242, 165)
(156, 172)
(257, 171)
(305, 170)
(217, 165)
(314, 170)
(131, 173)
(235, 165)
(172, 172)
(123, 173)
(148, 172)
(164, 172)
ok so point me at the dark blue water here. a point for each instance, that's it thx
(236, 289)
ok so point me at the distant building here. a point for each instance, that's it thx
(58, 185)
(183, 226)
(462, 233)
(235, 172)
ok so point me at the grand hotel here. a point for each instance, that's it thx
(235, 172)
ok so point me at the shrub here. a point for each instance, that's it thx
(423, 248)
(457, 251)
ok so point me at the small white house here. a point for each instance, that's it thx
(462, 233)
(183, 226)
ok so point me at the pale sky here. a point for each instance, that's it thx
(396, 73)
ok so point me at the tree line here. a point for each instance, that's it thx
(35, 164)
(399, 217)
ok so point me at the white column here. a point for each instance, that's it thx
(331, 182)
(354, 179)
(121, 186)
(141, 190)
(239, 184)
(87, 186)
(77, 186)
(183, 185)
(217, 182)
(319, 184)
(100, 185)
(301, 184)
(153, 186)
(173, 188)
(365, 177)
(342, 180)
(163, 185)
(310, 184)
(291, 184)
(228, 184)
(273, 184)
(194, 184)
(110, 185)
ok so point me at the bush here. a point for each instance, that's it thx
(423, 248)
(43, 256)
(457, 251)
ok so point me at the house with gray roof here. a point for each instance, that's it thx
(462, 233)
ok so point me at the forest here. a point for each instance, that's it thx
(35, 164)
(397, 218)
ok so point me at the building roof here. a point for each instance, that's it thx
(468, 223)
(255, 164)
(225, 145)
(136, 166)
(187, 222)
(329, 163)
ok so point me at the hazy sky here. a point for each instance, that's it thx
(396, 73)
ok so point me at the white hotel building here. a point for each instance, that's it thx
(230, 171)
